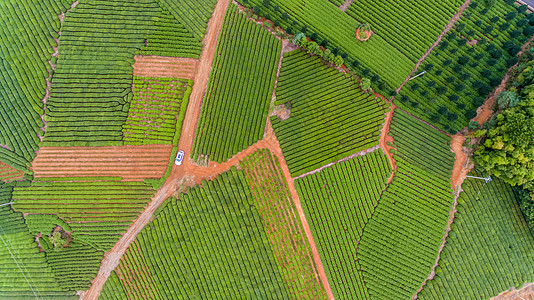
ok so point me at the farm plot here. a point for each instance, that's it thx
(400, 243)
(161, 66)
(8, 173)
(218, 228)
(489, 248)
(236, 104)
(113, 289)
(193, 14)
(157, 110)
(76, 264)
(337, 30)
(338, 202)
(134, 163)
(135, 275)
(26, 49)
(410, 26)
(169, 37)
(282, 224)
(420, 145)
(97, 209)
(467, 65)
(91, 87)
(18, 248)
(331, 117)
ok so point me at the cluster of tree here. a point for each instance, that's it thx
(314, 48)
(507, 150)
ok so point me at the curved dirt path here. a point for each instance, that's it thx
(189, 173)
(448, 27)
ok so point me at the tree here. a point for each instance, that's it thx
(313, 47)
(463, 60)
(324, 43)
(344, 55)
(404, 98)
(285, 16)
(429, 67)
(508, 149)
(256, 10)
(447, 62)
(485, 73)
(521, 23)
(276, 23)
(431, 84)
(511, 15)
(488, 29)
(454, 98)
(365, 84)
(465, 76)
(414, 86)
(443, 45)
(304, 29)
(289, 30)
(441, 90)
(375, 78)
(328, 56)
(338, 60)
(355, 63)
(442, 110)
(393, 93)
(507, 99)
(303, 42)
(314, 36)
(528, 31)
(450, 79)
(452, 117)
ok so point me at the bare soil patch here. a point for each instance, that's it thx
(162, 66)
(133, 163)
(366, 33)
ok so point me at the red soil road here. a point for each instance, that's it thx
(133, 163)
(162, 66)
(385, 138)
(9, 173)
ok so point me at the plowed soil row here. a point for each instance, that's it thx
(133, 163)
(161, 66)
(9, 173)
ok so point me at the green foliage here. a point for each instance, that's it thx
(98, 210)
(219, 228)
(526, 204)
(507, 99)
(331, 117)
(325, 196)
(113, 289)
(156, 111)
(193, 14)
(365, 83)
(299, 37)
(488, 250)
(282, 224)
(508, 150)
(410, 30)
(239, 90)
(479, 67)
(21, 259)
(44, 224)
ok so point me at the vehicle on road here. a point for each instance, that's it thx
(179, 158)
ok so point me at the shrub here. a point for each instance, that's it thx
(453, 97)
(478, 56)
(365, 71)
(508, 44)
(511, 15)
(267, 16)
(328, 56)
(447, 62)
(454, 50)
(415, 104)
(490, 47)
(488, 29)
(462, 42)
(521, 23)
(431, 84)
(424, 93)
(528, 31)
(478, 23)
(355, 63)
(514, 50)
(478, 84)
(470, 33)
(276, 23)
(375, 78)
(475, 64)
(324, 43)
(276, 8)
(344, 55)
(404, 98)
(504, 26)
(460, 105)
(484, 11)
(484, 90)
(443, 110)
(284, 16)
(443, 45)
(451, 36)
(460, 27)
(256, 10)
(522, 9)
(435, 118)
(299, 36)
(492, 62)
(458, 68)
(512, 61)
(450, 79)
(459, 87)
(485, 73)
(289, 30)
(463, 60)
(338, 60)
(314, 36)
(392, 93)
(452, 117)
(365, 84)
(465, 76)
(441, 90)
(335, 51)
(414, 86)
(438, 72)
(304, 29)
(494, 19)
(470, 113)
(507, 99)
(495, 81)
(429, 67)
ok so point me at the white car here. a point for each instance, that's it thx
(179, 158)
